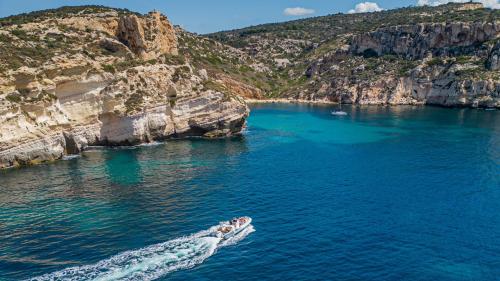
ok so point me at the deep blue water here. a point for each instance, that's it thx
(399, 193)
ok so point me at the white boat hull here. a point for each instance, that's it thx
(237, 230)
(339, 113)
(234, 231)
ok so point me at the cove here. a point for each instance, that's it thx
(385, 193)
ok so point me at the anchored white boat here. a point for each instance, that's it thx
(339, 113)
(230, 228)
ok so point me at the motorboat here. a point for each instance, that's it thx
(228, 229)
(339, 113)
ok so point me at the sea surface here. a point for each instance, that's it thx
(385, 193)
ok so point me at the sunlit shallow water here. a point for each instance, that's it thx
(394, 193)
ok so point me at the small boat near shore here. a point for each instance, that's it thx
(228, 229)
(339, 113)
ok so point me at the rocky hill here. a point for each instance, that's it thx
(91, 75)
(79, 76)
(446, 55)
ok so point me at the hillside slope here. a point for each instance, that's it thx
(446, 55)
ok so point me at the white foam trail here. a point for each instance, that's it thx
(151, 262)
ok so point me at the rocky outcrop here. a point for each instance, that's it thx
(148, 36)
(445, 55)
(417, 41)
(493, 62)
(469, 6)
(453, 64)
(437, 85)
(239, 88)
(139, 105)
(116, 82)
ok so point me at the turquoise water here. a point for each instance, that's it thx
(401, 193)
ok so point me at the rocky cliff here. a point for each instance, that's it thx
(446, 55)
(91, 75)
(448, 64)
(148, 36)
(99, 76)
(420, 40)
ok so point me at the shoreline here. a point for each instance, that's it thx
(289, 101)
(322, 102)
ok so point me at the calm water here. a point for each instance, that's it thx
(383, 194)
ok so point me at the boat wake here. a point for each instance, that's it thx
(151, 262)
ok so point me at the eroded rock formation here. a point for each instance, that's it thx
(417, 41)
(493, 62)
(149, 36)
(454, 64)
(118, 88)
(141, 104)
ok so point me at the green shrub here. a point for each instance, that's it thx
(174, 60)
(14, 97)
(5, 38)
(435, 62)
(172, 101)
(463, 59)
(109, 68)
(406, 67)
(21, 34)
(126, 64)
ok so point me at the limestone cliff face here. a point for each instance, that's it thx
(141, 104)
(449, 84)
(493, 62)
(440, 86)
(417, 41)
(454, 64)
(113, 83)
(147, 37)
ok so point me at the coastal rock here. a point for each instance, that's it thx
(438, 54)
(432, 81)
(453, 64)
(416, 41)
(114, 91)
(493, 62)
(141, 104)
(113, 45)
(149, 36)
